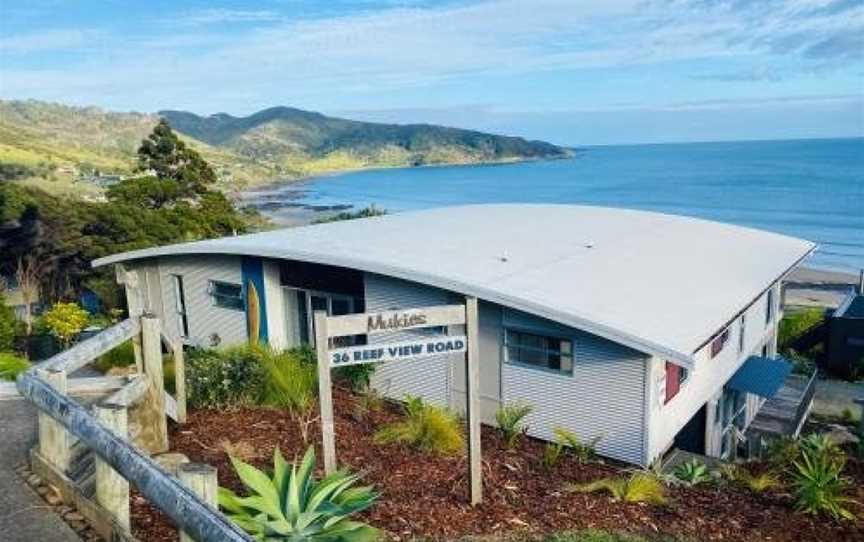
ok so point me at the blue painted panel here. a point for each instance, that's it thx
(253, 274)
(761, 376)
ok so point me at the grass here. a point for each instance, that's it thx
(639, 487)
(426, 427)
(11, 366)
(797, 323)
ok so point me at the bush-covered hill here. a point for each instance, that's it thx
(53, 145)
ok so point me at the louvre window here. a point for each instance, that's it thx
(227, 295)
(541, 351)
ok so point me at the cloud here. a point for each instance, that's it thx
(45, 41)
(223, 15)
(271, 58)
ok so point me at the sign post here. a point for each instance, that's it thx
(327, 327)
(472, 372)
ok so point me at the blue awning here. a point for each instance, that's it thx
(762, 376)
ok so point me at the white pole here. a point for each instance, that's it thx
(472, 358)
(325, 392)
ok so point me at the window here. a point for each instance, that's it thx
(540, 351)
(675, 378)
(180, 306)
(226, 295)
(742, 327)
(769, 306)
(719, 342)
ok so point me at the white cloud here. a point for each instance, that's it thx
(45, 41)
(287, 61)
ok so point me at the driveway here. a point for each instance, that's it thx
(24, 516)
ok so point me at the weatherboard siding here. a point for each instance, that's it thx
(429, 377)
(705, 383)
(205, 319)
(604, 398)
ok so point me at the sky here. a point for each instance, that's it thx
(573, 72)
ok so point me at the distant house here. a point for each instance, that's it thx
(647, 331)
(14, 297)
(845, 348)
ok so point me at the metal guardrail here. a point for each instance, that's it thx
(805, 403)
(185, 507)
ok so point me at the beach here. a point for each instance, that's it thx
(810, 287)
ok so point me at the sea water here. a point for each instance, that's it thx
(812, 189)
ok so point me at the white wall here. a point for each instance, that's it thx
(204, 318)
(706, 381)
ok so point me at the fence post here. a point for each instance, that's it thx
(53, 438)
(112, 490)
(180, 380)
(202, 480)
(134, 305)
(150, 411)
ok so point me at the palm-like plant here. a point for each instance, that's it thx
(293, 506)
(819, 484)
(510, 420)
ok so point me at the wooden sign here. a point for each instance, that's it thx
(377, 353)
(327, 327)
(398, 320)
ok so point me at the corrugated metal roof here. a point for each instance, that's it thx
(659, 283)
(762, 376)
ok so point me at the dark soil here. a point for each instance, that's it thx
(426, 496)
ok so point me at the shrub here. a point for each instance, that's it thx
(582, 451)
(293, 506)
(693, 472)
(818, 484)
(757, 483)
(122, 355)
(509, 419)
(639, 487)
(9, 326)
(11, 366)
(552, 454)
(292, 379)
(65, 321)
(426, 427)
(356, 376)
(795, 324)
(217, 379)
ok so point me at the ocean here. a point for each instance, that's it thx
(812, 189)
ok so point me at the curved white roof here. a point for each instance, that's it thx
(659, 283)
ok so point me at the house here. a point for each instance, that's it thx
(845, 348)
(648, 331)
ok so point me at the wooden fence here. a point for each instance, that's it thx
(69, 432)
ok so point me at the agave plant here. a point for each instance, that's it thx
(293, 506)
(693, 472)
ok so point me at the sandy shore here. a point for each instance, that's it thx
(808, 287)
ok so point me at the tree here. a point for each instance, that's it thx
(170, 159)
(66, 321)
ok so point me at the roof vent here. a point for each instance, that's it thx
(503, 258)
(589, 244)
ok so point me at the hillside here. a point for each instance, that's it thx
(64, 148)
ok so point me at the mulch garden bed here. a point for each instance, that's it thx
(426, 496)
